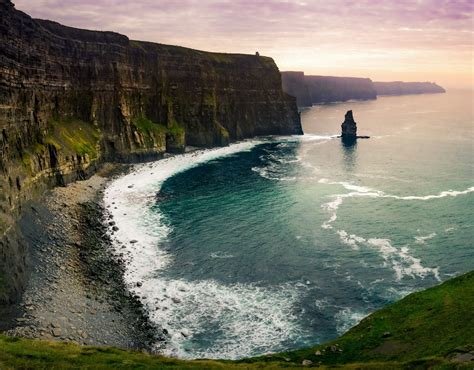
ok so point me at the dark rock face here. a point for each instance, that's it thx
(406, 88)
(71, 98)
(349, 126)
(310, 90)
(326, 89)
(294, 84)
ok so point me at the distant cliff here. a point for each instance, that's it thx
(405, 88)
(310, 90)
(71, 98)
(294, 84)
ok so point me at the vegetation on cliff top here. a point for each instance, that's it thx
(429, 329)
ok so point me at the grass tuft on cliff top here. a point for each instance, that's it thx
(425, 330)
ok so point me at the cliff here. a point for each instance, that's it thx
(294, 84)
(310, 90)
(71, 98)
(325, 89)
(405, 88)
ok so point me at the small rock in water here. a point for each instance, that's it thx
(115, 228)
(130, 186)
(133, 241)
(176, 300)
(139, 284)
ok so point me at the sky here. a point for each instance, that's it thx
(386, 40)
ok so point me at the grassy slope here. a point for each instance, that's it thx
(436, 323)
(423, 330)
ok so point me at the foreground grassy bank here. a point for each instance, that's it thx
(429, 329)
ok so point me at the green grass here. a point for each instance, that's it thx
(73, 136)
(175, 128)
(151, 130)
(147, 127)
(431, 325)
(422, 331)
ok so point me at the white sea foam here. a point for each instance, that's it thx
(399, 259)
(363, 191)
(421, 239)
(347, 318)
(351, 240)
(221, 255)
(248, 318)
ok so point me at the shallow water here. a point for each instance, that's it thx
(283, 242)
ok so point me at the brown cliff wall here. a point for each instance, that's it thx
(71, 98)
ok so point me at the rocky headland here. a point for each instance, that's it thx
(72, 99)
(407, 88)
(309, 90)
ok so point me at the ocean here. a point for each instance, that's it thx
(279, 243)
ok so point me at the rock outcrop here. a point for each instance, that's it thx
(71, 98)
(405, 88)
(349, 127)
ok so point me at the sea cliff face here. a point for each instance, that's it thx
(71, 98)
(326, 89)
(310, 90)
(295, 85)
(405, 88)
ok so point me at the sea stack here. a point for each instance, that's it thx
(349, 127)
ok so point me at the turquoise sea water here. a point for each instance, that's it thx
(284, 242)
